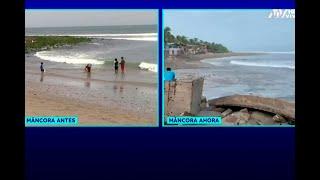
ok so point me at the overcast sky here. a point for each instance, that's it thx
(238, 30)
(67, 18)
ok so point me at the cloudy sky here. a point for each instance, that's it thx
(238, 30)
(67, 18)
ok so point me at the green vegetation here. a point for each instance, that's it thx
(36, 43)
(183, 40)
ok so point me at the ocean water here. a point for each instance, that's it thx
(92, 30)
(137, 44)
(268, 75)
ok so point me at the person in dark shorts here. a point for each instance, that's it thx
(116, 65)
(41, 67)
(122, 63)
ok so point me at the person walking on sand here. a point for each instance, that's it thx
(116, 65)
(122, 63)
(41, 67)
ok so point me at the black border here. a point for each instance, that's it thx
(306, 89)
(13, 86)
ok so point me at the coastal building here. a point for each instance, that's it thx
(196, 49)
(173, 49)
(202, 49)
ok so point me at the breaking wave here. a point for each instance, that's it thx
(134, 37)
(70, 59)
(262, 64)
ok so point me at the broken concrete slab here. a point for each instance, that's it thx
(245, 110)
(278, 119)
(218, 109)
(226, 112)
(261, 117)
(276, 106)
(229, 120)
(242, 116)
(239, 117)
(209, 113)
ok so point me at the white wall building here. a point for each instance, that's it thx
(173, 50)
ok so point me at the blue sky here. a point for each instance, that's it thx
(238, 30)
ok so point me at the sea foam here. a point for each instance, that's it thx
(261, 64)
(148, 66)
(74, 59)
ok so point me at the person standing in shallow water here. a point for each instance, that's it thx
(122, 63)
(116, 65)
(88, 68)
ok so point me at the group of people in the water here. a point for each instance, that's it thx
(88, 66)
(115, 65)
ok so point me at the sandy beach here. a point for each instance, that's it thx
(98, 98)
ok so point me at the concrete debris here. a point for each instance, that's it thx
(226, 112)
(279, 119)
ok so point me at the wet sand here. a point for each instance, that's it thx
(98, 98)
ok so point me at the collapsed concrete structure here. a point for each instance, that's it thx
(276, 106)
(184, 97)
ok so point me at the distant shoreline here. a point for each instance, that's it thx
(194, 61)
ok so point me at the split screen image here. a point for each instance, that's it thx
(103, 66)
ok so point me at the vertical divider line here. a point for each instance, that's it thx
(160, 67)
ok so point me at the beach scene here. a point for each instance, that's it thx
(98, 65)
(246, 61)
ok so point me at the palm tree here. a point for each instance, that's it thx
(167, 35)
(196, 40)
(184, 40)
(192, 42)
(178, 39)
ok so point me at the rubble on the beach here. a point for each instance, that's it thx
(242, 114)
(184, 98)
